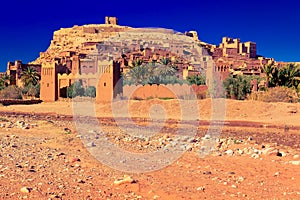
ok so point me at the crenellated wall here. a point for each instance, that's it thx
(65, 80)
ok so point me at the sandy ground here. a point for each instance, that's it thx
(43, 156)
(275, 113)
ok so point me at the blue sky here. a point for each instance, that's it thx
(27, 26)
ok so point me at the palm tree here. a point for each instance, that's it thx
(290, 76)
(30, 76)
(164, 61)
(136, 63)
(137, 75)
(4, 81)
(268, 70)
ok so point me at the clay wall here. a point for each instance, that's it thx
(48, 83)
(162, 91)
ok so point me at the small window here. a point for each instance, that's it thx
(104, 84)
(47, 84)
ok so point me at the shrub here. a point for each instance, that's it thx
(75, 90)
(196, 79)
(276, 94)
(11, 92)
(237, 87)
(31, 90)
(90, 91)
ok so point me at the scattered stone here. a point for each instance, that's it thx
(125, 179)
(292, 109)
(25, 190)
(80, 181)
(67, 130)
(296, 156)
(295, 162)
(26, 126)
(207, 172)
(202, 188)
(54, 196)
(279, 154)
(255, 156)
(229, 152)
(267, 150)
(75, 160)
(91, 144)
(240, 179)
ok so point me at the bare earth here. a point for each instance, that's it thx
(257, 155)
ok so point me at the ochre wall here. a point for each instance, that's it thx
(49, 88)
(162, 91)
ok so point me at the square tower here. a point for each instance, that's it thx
(111, 20)
(109, 84)
(48, 83)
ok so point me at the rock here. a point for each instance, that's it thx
(91, 144)
(206, 137)
(292, 109)
(241, 179)
(256, 151)
(26, 126)
(229, 152)
(202, 188)
(207, 172)
(54, 196)
(230, 142)
(75, 160)
(155, 197)
(219, 145)
(20, 123)
(283, 154)
(80, 181)
(125, 179)
(296, 156)
(241, 152)
(276, 173)
(67, 130)
(255, 156)
(267, 150)
(25, 190)
(294, 162)
(279, 154)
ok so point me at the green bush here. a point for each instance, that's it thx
(196, 79)
(75, 90)
(237, 87)
(90, 91)
(11, 92)
(151, 73)
(31, 90)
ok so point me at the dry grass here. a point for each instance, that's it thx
(277, 94)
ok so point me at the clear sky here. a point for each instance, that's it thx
(27, 26)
